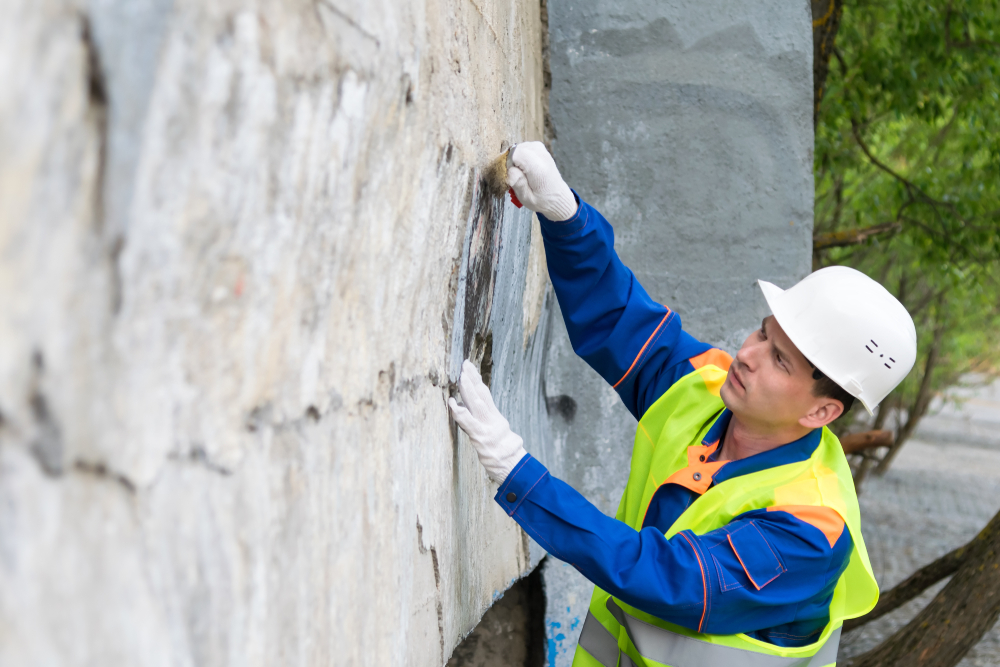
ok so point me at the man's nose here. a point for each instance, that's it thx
(748, 355)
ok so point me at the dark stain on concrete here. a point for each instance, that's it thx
(259, 417)
(97, 111)
(481, 272)
(562, 405)
(486, 364)
(114, 257)
(407, 85)
(47, 446)
(437, 582)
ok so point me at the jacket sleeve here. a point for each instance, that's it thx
(768, 573)
(633, 342)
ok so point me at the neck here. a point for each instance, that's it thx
(743, 439)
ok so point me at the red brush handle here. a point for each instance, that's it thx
(513, 198)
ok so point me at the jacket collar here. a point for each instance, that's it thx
(792, 452)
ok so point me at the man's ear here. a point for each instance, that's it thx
(824, 411)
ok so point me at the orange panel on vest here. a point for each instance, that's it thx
(714, 356)
(826, 519)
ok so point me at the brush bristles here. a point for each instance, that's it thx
(495, 176)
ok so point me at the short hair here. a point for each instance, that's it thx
(826, 387)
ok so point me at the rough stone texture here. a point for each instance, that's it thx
(242, 250)
(689, 125)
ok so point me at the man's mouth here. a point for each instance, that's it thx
(734, 377)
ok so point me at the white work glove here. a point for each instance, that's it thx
(537, 183)
(498, 447)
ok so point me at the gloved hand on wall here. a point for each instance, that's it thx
(498, 447)
(538, 184)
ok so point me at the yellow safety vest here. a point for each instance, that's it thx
(668, 441)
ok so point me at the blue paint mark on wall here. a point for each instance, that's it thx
(555, 641)
(576, 622)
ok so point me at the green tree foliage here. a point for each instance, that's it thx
(908, 177)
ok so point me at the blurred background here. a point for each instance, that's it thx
(245, 246)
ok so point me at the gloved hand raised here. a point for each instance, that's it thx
(498, 447)
(537, 183)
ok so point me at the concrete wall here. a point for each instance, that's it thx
(243, 250)
(689, 125)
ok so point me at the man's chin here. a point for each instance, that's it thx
(728, 395)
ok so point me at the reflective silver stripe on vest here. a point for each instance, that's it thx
(677, 650)
(598, 642)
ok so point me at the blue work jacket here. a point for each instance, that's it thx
(638, 346)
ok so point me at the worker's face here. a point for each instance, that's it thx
(770, 384)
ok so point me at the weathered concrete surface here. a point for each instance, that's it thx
(242, 246)
(689, 125)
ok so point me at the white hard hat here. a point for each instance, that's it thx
(849, 327)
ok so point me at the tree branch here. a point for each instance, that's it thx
(826, 22)
(958, 616)
(856, 443)
(968, 42)
(855, 236)
(910, 187)
(912, 586)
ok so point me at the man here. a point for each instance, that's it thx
(737, 541)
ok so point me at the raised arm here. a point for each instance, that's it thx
(633, 342)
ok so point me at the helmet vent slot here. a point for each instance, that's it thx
(881, 356)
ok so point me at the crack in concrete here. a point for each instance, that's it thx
(262, 416)
(47, 445)
(98, 117)
(348, 19)
(101, 471)
(487, 22)
(439, 606)
(549, 132)
(198, 456)
(97, 100)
